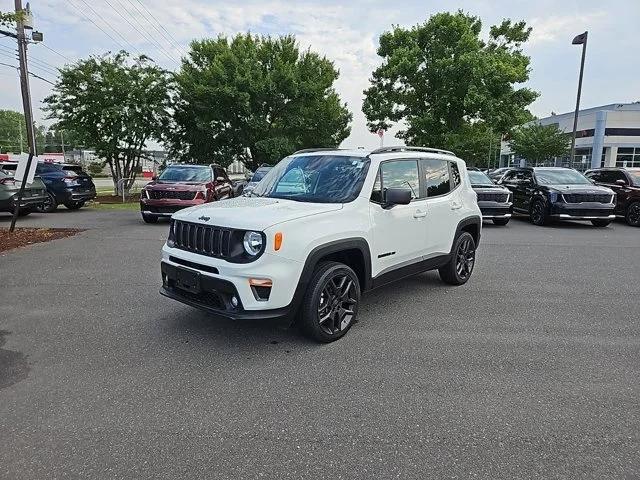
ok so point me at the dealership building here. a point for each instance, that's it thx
(606, 136)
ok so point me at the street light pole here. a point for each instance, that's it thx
(26, 104)
(578, 40)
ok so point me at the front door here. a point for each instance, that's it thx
(399, 232)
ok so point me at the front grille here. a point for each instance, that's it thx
(587, 197)
(493, 197)
(173, 194)
(202, 239)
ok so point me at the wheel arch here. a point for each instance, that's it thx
(353, 252)
(472, 225)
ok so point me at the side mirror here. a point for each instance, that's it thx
(397, 196)
(221, 179)
(621, 182)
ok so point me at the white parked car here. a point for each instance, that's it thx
(321, 228)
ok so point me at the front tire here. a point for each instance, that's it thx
(538, 214)
(330, 306)
(600, 223)
(149, 218)
(74, 205)
(459, 268)
(633, 214)
(49, 205)
(500, 221)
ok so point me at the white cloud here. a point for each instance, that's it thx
(561, 27)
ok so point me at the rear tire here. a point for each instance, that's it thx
(600, 223)
(49, 205)
(74, 205)
(459, 268)
(330, 306)
(149, 218)
(633, 214)
(500, 221)
(538, 213)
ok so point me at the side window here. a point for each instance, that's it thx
(527, 177)
(396, 174)
(595, 176)
(436, 177)
(455, 175)
(509, 177)
(218, 172)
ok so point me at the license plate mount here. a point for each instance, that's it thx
(188, 280)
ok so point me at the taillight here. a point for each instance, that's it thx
(70, 180)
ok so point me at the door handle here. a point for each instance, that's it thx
(419, 214)
(455, 205)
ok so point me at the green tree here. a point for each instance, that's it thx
(8, 18)
(115, 104)
(71, 139)
(539, 143)
(13, 133)
(256, 99)
(444, 82)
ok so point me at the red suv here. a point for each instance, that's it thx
(182, 186)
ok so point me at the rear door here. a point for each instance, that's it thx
(398, 232)
(608, 178)
(442, 206)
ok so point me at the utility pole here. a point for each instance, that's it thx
(578, 40)
(21, 140)
(26, 102)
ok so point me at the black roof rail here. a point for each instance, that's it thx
(322, 149)
(401, 148)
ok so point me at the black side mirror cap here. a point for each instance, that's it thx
(621, 182)
(397, 196)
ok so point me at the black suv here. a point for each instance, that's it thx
(626, 183)
(495, 201)
(546, 193)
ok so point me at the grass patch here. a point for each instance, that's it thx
(114, 206)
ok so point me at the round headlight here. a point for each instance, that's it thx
(252, 243)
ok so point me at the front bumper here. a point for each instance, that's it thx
(583, 211)
(491, 210)
(166, 207)
(76, 195)
(219, 281)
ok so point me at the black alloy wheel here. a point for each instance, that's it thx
(330, 306)
(336, 304)
(633, 214)
(49, 205)
(460, 266)
(538, 213)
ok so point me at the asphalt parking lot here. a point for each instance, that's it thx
(531, 370)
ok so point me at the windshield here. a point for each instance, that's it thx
(259, 175)
(635, 176)
(479, 178)
(186, 174)
(561, 177)
(315, 178)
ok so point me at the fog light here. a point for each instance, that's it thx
(234, 301)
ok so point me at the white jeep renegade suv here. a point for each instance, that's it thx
(322, 227)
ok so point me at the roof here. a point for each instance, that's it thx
(619, 107)
(393, 151)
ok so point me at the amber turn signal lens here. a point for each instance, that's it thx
(277, 241)
(260, 282)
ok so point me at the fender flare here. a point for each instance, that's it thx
(473, 220)
(323, 250)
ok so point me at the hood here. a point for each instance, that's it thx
(252, 213)
(174, 185)
(490, 188)
(578, 189)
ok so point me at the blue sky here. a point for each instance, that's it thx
(347, 33)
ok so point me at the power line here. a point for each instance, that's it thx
(30, 73)
(54, 51)
(42, 65)
(172, 41)
(111, 27)
(135, 29)
(122, 47)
